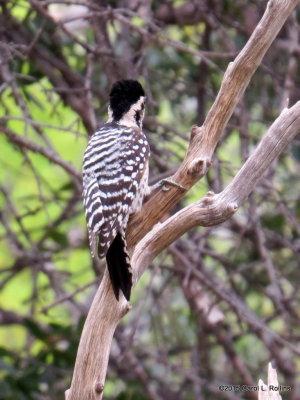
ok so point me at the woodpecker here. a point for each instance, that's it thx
(115, 180)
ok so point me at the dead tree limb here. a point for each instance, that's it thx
(214, 209)
(265, 392)
(205, 138)
(106, 312)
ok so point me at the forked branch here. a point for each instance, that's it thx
(105, 313)
(205, 138)
(214, 209)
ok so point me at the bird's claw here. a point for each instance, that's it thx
(166, 183)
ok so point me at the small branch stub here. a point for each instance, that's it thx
(199, 166)
(264, 391)
(209, 198)
(195, 131)
(99, 387)
(233, 207)
(127, 308)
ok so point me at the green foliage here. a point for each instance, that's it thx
(28, 378)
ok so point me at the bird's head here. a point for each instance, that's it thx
(127, 103)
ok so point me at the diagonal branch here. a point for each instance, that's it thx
(215, 209)
(205, 138)
(105, 312)
(25, 143)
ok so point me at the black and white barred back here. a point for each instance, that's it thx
(115, 180)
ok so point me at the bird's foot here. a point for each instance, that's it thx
(166, 183)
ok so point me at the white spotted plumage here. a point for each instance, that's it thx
(115, 180)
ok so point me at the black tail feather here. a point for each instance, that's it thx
(118, 267)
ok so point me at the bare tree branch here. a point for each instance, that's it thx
(205, 138)
(265, 392)
(105, 313)
(23, 142)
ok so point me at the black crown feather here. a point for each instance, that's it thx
(123, 95)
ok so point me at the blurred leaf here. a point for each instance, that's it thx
(35, 329)
(58, 237)
(275, 222)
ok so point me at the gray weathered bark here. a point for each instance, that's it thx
(105, 313)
